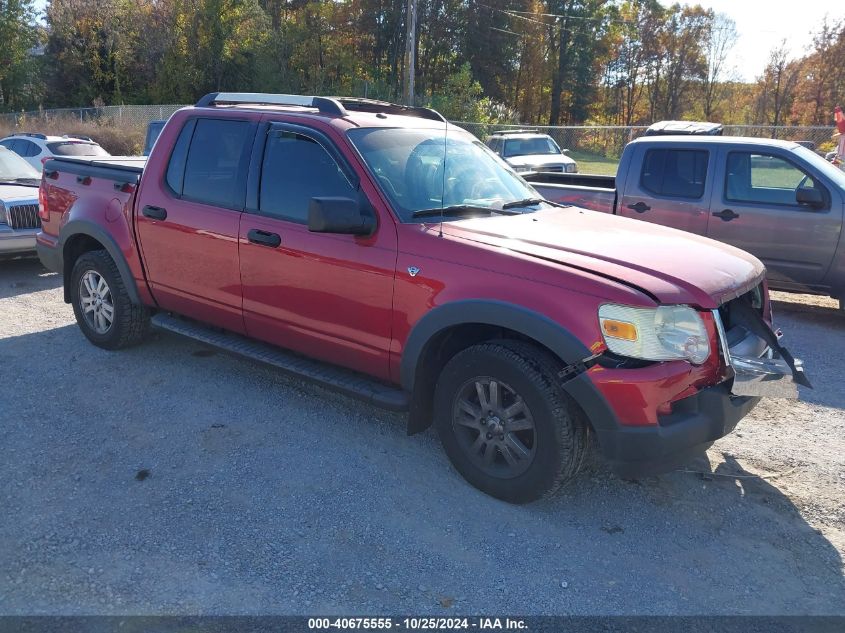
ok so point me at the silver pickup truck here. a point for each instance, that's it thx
(775, 199)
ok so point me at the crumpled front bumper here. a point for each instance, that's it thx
(757, 369)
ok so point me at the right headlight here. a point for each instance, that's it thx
(663, 333)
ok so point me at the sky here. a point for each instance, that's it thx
(761, 25)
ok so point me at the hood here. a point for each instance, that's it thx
(540, 159)
(670, 265)
(17, 193)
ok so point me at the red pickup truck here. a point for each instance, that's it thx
(377, 250)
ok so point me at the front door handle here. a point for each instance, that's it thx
(727, 215)
(154, 213)
(640, 207)
(264, 238)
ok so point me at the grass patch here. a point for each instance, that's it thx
(589, 163)
(117, 139)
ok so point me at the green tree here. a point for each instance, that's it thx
(20, 85)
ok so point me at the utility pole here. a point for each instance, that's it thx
(410, 52)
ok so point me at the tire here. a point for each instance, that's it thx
(129, 323)
(551, 453)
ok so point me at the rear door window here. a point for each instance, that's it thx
(13, 145)
(295, 169)
(675, 173)
(214, 162)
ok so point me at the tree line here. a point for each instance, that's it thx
(561, 62)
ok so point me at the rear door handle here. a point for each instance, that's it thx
(264, 238)
(154, 213)
(727, 215)
(640, 207)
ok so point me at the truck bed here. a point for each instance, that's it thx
(117, 168)
(577, 180)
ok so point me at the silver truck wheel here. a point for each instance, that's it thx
(96, 301)
(102, 306)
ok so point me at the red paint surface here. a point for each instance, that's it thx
(350, 300)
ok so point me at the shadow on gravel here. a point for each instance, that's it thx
(22, 276)
(266, 487)
(735, 532)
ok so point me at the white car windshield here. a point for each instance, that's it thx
(530, 146)
(13, 168)
(420, 177)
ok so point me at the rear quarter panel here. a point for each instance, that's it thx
(100, 204)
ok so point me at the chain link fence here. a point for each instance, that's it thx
(132, 115)
(599, 140)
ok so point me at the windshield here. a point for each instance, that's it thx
(409, 166)
(528, 146)
(76, 148)
(826, 168)
(13, 167)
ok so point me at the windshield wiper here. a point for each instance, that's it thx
(459, 209)
(527, 202)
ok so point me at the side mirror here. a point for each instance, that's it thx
(339, 215)
(811, 197)
(564, 151)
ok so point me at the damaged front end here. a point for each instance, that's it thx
(753, 355)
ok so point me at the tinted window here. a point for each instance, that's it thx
(296, 169)
(76, 148)
(176, 167)
(214, 161)
(679, 173)
(764, 178)
(7, 143)
(14, 145)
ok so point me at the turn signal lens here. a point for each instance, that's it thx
(619, 329)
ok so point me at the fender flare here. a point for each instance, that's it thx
(488, 312)
(93, 230)
(535, 326)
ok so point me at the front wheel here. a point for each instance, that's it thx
(102, 306)
(506, 424)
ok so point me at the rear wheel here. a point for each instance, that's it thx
(101, 304)
(505, 423)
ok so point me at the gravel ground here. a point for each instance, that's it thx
(169, 479)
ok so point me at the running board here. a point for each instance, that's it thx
(326, 375)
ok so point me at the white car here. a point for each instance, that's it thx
(19, 221)
(529, 150)
(37, 148)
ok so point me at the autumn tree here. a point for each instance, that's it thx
(720, 38)
(776, 87)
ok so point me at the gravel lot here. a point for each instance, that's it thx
(171, 479)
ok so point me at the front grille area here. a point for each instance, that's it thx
(551, 168)
(753, 296)
(23, 216)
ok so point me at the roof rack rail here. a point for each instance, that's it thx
(33, 135)
(374, 105)
(525, 130)
(327, 105)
